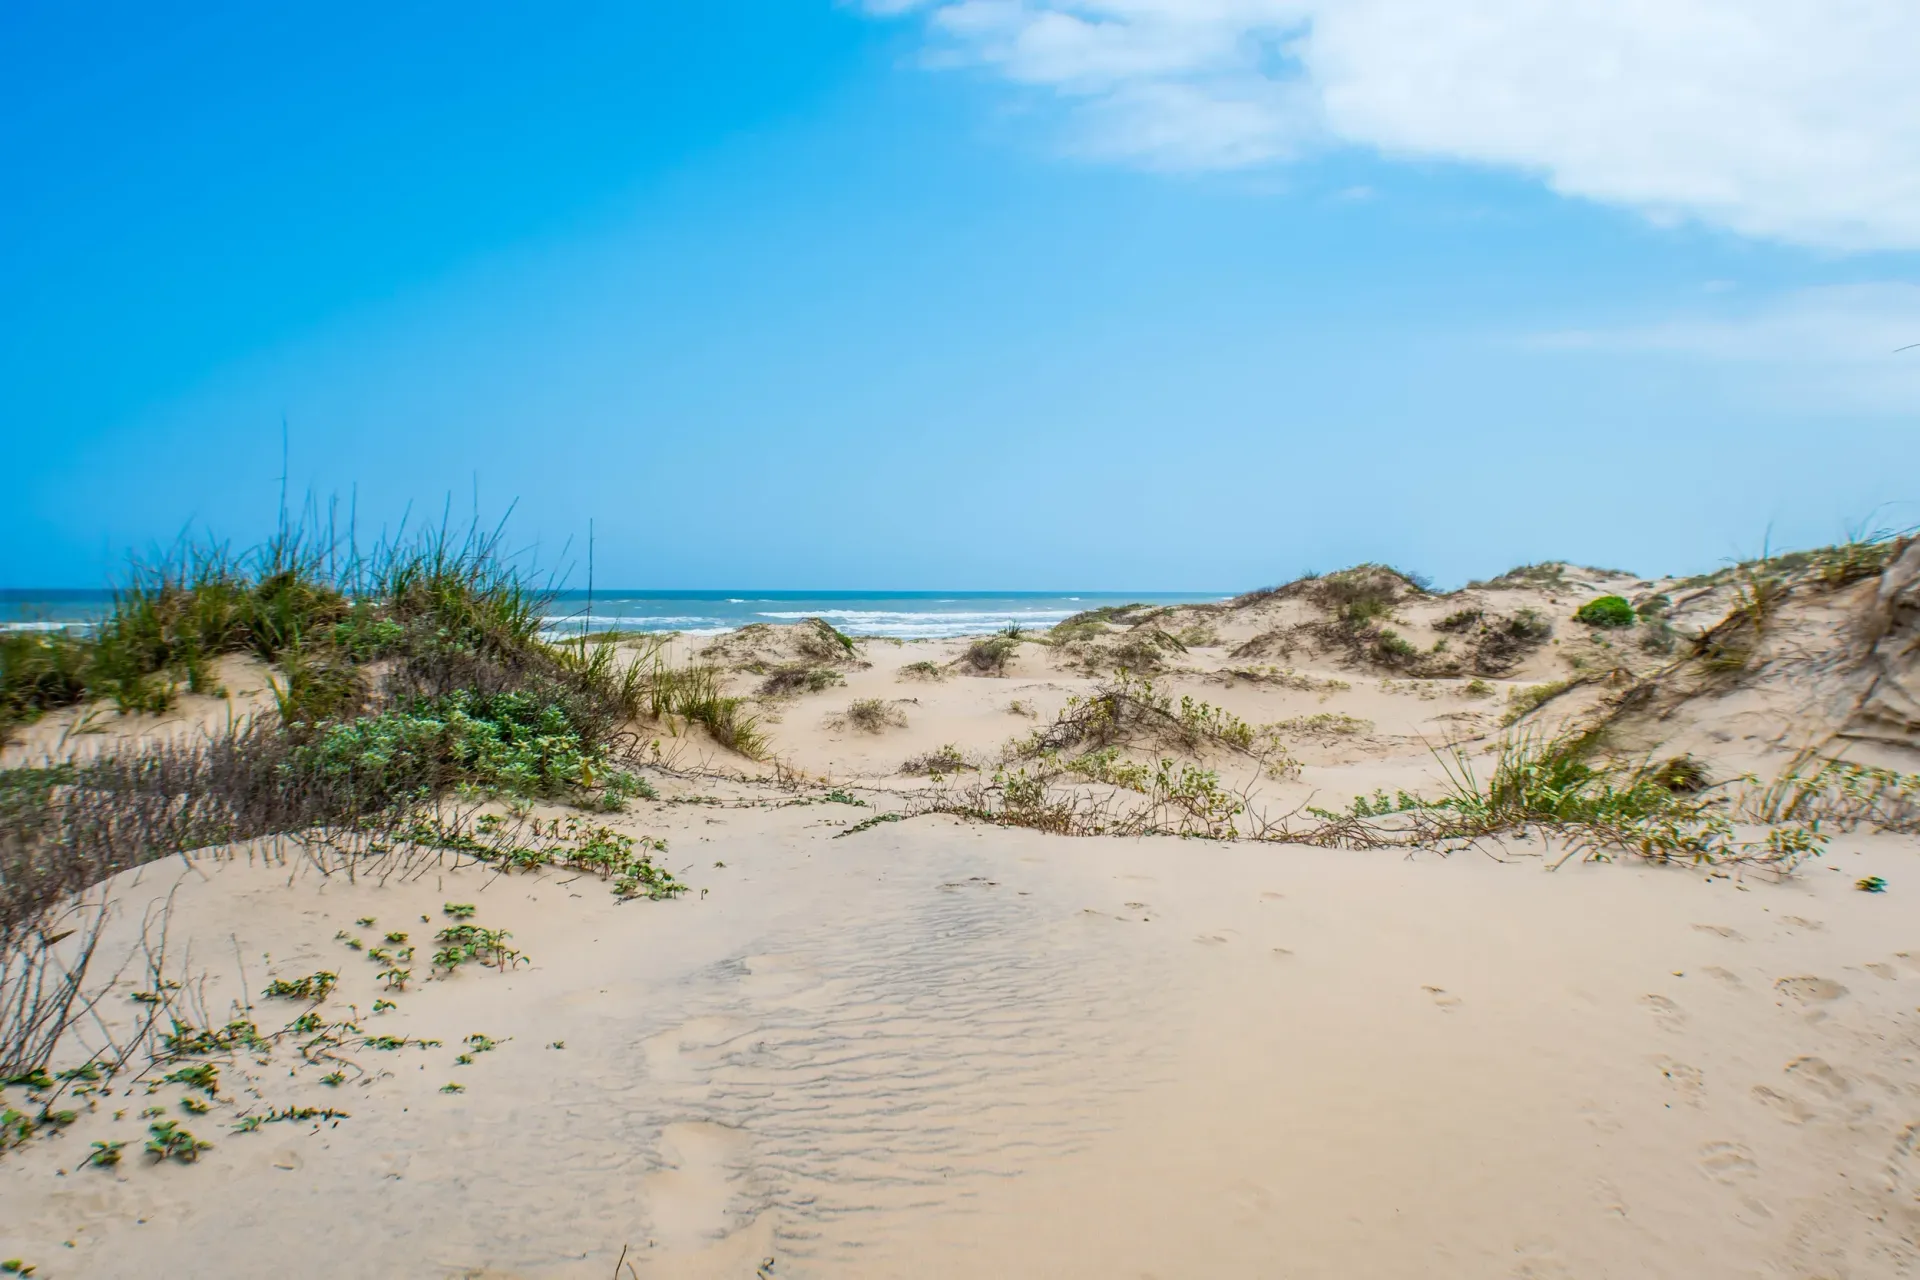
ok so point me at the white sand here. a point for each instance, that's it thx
(931, 1049)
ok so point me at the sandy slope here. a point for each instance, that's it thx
(931, 1049)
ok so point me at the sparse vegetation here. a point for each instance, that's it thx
(1548, 575)
(404, 677)
(922, 670)
(1523, 702)
(990, 655)
(801, 679)
(1327, 724)
(874, 715)
(937, 763)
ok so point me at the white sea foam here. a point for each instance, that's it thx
(925, 624)
(638, 621)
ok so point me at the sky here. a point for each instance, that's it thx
(963, 294)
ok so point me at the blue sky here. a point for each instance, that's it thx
(1098, 294)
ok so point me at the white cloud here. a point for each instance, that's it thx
(1796, 120)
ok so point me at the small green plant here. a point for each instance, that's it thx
(468, 942)
(168, 1141)
(1477, 688)
(1606, 611)
(392, 1043)
(922, 670)
(460, 910)
(204, 1076)
(314, 987)
(1871, 884)
(15, 1128)
(451, 1087)
(365, 922)
(334, 1079)
(865, 824)
(840, 796)
(104, 1155)
(15, 1267)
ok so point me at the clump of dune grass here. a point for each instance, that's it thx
(874, 715)
(820, 640)
(1548, 575)
(937, 763)
(1326, 724)
(786, 681)
(990, 655)
(694, 694)
(922, 670)
(1840, 795)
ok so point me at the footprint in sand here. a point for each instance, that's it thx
(1881, 969)
(1684, 1079)
(688, 1194)
(1665, 1012)
(1442, 997)
(1727, 1162)
(1818, 1075)
(1270, 896)
(1721, 931)
(1801, 922)
(1901, 1172)
(1810, 990)
(1790, 1109)
(1727, 976)
(1538, 1260)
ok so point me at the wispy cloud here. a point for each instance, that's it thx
(1837, 345)
(1797, 120)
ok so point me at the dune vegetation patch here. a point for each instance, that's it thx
(407, 684)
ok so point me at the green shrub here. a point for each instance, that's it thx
(1606, 611)
(508, 743)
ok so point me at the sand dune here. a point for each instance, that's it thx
(935, 1047)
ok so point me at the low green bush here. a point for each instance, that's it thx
(1606, 611)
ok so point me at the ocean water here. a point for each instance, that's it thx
(908, 615)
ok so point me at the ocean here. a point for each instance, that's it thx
(908, 615)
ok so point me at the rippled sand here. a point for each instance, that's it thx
(940, 1050)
